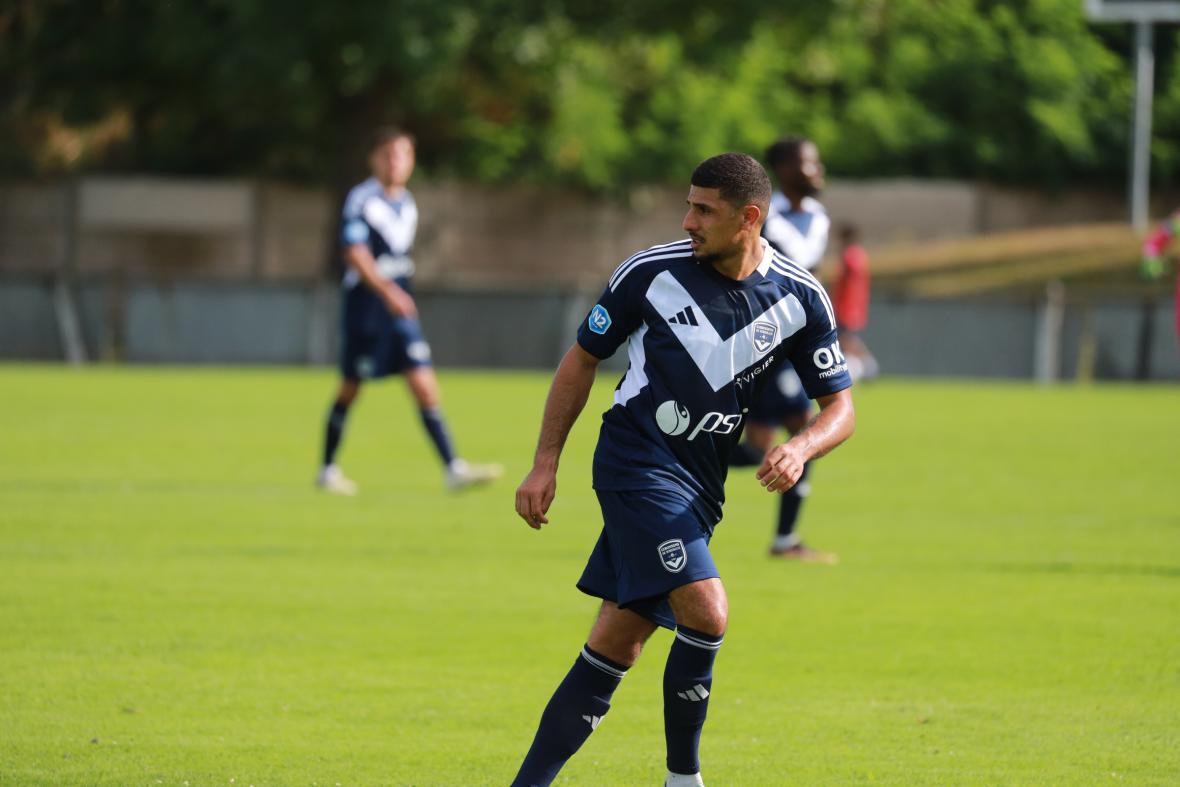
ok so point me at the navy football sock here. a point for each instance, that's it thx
(437, 429)
(574, 711)
(688, 680)
(745, 455)
(792, 501)
(336, 417)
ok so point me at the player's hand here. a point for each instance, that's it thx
(399, 302)
(534, 496)
(781, 468)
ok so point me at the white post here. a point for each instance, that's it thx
(1047, 353)
(65, 307)
(1141, 131)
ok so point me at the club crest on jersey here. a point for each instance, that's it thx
(672, 555)
(764, 333)
(599, 319)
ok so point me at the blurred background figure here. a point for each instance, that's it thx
(850, 298)
(1152, 262)
(381, 333)
(797, 226)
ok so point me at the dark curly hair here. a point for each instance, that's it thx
(738, 178)
(386, 134)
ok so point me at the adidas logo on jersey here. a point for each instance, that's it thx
(593, 721)
(685, 317)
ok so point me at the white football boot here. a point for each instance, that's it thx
(462, 474)
(331, 479)
(683, 780)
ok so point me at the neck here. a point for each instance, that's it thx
(392, 189)
(742, 262)
(796, 197)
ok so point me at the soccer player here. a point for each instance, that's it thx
(380, 326)
(797, 227)
(706, 321)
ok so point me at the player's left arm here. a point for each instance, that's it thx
(567, 397)
(832, 425)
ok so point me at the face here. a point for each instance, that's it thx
(804, 176)
(393, 162)
(712, 224)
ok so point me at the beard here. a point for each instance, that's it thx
(707, 259)
(807, 188)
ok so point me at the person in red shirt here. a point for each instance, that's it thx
(1152, 262)
(850, 298)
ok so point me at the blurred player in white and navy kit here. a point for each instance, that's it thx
(797, 227)
(381, 334)
(706, 322)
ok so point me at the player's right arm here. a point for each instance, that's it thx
(397, 300)
(567, 397)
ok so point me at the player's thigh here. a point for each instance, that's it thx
(701, 605)
(619, 634)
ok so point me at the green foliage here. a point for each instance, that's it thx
(179, 604)
(603, 95)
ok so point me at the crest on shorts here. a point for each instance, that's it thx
(764, 333)
(672, 555)
(366, 366)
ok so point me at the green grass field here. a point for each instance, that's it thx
(179, 606)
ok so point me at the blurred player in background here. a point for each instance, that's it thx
(797, 227)
(706, 321)
(380, 326)
(850, 297)
(1152, 263)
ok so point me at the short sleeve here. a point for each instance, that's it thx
(816, 355)
(616, 315)
(354, 231)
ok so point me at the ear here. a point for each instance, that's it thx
(751, 217)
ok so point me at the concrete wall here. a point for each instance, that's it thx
(204, 322)
(473, 236)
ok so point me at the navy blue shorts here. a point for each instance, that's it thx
(652, 542)
(779, 398)
(370, 356)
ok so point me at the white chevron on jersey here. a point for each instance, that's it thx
(636, 379)
(780, 264)
(800, 235)
(719, 359)
(397, 229)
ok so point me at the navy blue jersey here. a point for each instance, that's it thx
(798, 233)
(700, 344)
(386, 225)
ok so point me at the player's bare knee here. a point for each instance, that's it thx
(348, 392)
(702, 606)
(714, 618)
(619, 634)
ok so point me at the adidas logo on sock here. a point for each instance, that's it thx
(594, 721)
(686, 317)
(695, 694)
